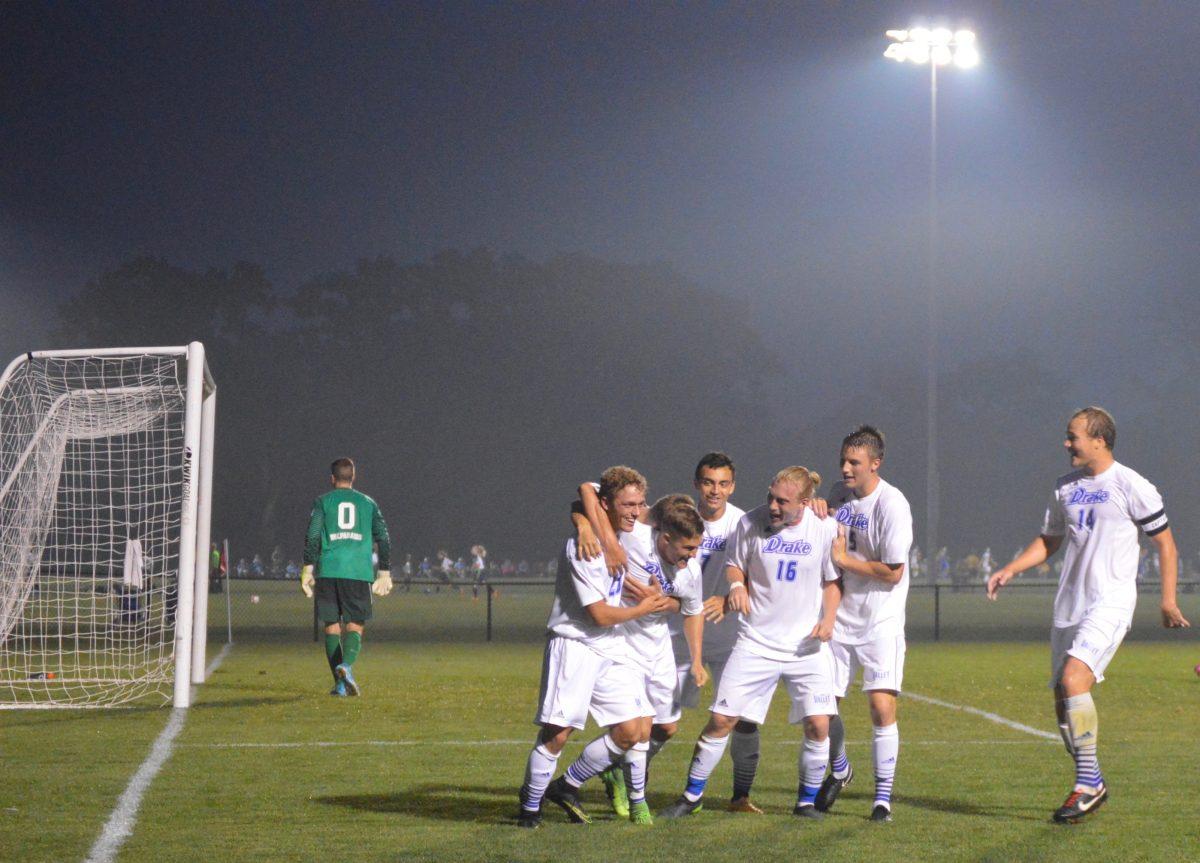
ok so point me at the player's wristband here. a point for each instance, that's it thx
(734, 584)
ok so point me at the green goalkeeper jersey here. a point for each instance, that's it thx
(344, 526)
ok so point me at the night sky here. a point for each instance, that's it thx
(767, 152)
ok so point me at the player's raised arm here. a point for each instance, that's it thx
(614, 555)
(1036, 553)
(587, 544)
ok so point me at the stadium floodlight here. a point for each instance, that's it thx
(105, 491)
(939, 46)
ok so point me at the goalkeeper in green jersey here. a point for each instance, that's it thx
(344, 526)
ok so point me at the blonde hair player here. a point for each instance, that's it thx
(1097, 509)
(783, 583)
(587, 666)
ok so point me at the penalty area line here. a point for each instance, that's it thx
(975, 711)
(119, 826)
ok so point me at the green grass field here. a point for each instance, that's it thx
(426, 765)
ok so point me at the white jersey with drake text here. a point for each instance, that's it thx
(1099, 516)
(718, 637)
(578, 584)
(879, 528)
(650, 636)
(786, 571)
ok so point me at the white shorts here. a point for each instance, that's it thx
(660, 687)
(687, 694)
(577, 679)
(881, 661)
(1093, 641)
(749, 681)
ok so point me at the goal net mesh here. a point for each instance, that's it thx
(91, 490)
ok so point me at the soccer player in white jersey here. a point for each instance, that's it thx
(872, 551)
(653, 557)
(1098, 509)
(783, 583)
(715, 481)
(587, 666)
(661, 556)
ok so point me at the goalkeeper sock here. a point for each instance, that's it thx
(352, 644)
(333, 652)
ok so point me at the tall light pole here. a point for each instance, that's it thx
(936, 47)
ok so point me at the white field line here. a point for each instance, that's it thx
(330, 744)
(120, 824)
(991, 717)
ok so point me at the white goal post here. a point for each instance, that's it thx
(105, 502)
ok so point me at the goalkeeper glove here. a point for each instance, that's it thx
(306, 580)
(383, 583)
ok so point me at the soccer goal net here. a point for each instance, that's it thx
(105, 479)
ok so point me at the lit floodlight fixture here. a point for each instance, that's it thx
(918, 52)
(940, 46)
(966, 57)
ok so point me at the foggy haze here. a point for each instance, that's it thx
(488, 251)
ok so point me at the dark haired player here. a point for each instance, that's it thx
(875, 537)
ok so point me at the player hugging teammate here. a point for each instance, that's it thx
(595, 665)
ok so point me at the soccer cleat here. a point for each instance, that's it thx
(681, 808)
(1080, 804)
(339, 689)
(831, 787)
(881, 813)
(808, 810)
(530, 820)
(568, 798)
(639, 813)
(744, 804)
(347, 677)
(614, 786)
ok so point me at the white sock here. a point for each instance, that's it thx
(886, 748)
(814, 755)
(1085, 725)
(635, 771)
(704, 760)
(538, 773)
(1064, 731)
(596, 756)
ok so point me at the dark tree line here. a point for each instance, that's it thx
(475, 391)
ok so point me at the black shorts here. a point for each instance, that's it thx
(346, 598)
